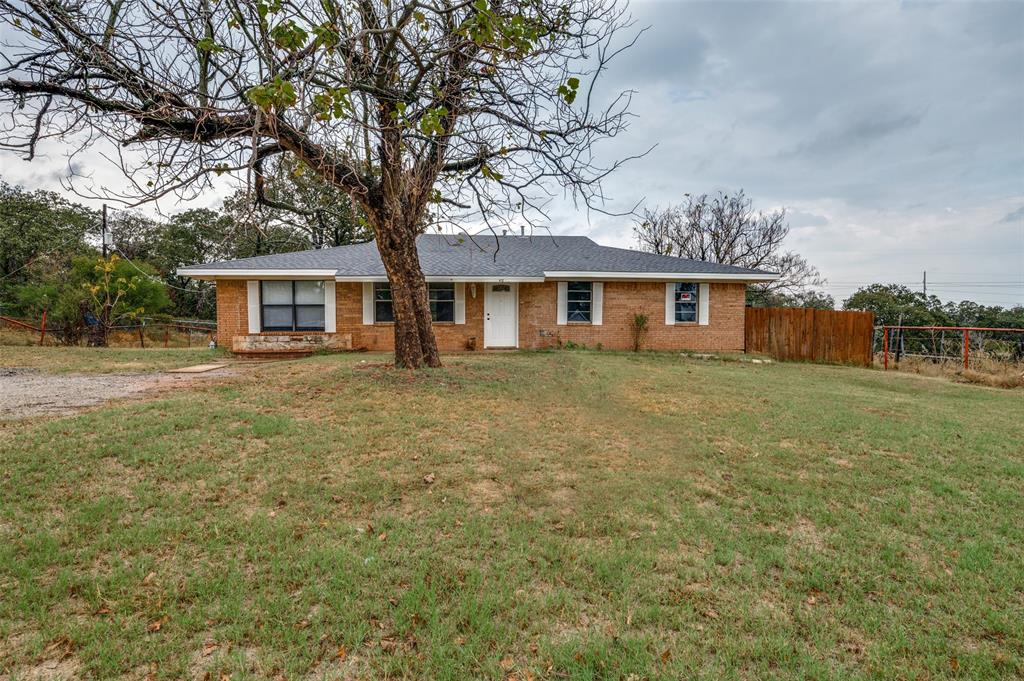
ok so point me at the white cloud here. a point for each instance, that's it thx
(892, 132)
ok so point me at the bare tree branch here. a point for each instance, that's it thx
(726, 229)
(468, 110)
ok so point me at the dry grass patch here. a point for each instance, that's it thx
(522, 515)
(983, 370)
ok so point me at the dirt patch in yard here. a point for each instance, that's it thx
(25, 393)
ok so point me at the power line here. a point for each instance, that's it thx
(153, 276)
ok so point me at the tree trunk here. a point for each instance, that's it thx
(415, 345)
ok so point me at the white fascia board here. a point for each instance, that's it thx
(664, 276)
(214, 273)
(439, 279)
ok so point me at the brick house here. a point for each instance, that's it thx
(485, 292)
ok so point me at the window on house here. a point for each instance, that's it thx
(441, 297)
(442, 302)
(383, 307)
(292, 305)
(686, 302)
(578, 300)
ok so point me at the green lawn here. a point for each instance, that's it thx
(591, 516)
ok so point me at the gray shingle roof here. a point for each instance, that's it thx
(484, 256)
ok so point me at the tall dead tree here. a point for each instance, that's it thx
(471, 108)
(726, 229)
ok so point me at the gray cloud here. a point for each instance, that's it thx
(1014, 216)
(893, 132)
(857, 134)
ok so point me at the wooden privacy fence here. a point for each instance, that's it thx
(796, 333)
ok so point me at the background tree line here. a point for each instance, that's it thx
(50, 252)
(725, 228)
(897, 304)
(50, 255)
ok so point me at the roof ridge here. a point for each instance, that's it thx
(461, 254)
(682, 259)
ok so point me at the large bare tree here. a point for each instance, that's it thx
(726, 229)
(476, 109)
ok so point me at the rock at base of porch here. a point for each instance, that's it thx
(290, 343)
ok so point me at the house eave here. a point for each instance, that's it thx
(212, 273)
(446, 279)
(725, 277)
(236, 273)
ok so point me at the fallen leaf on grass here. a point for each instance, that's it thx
(507, 663)
(148, 579)
(209, 648)
(428, 478)
(341, 654)
(666, 655)
(64, 645)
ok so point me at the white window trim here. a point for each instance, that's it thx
(460, 302)
(330, 307)
(562, 303)
(253, 295)
(596, 301)
(703, 304)
(367, 303)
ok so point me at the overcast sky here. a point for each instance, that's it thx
(893, 133)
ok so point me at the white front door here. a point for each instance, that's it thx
(501, 328)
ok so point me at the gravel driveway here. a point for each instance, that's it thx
(26, 392)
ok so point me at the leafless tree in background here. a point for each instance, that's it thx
(478, 109)
(726, 229)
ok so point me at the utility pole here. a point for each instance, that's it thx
(924, 283)
(104, 235)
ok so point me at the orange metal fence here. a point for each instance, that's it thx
(932, 342)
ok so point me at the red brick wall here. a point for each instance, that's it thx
(450, 337)
(232, 310)
(538, 327)
(537, 319)
(233, 318)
